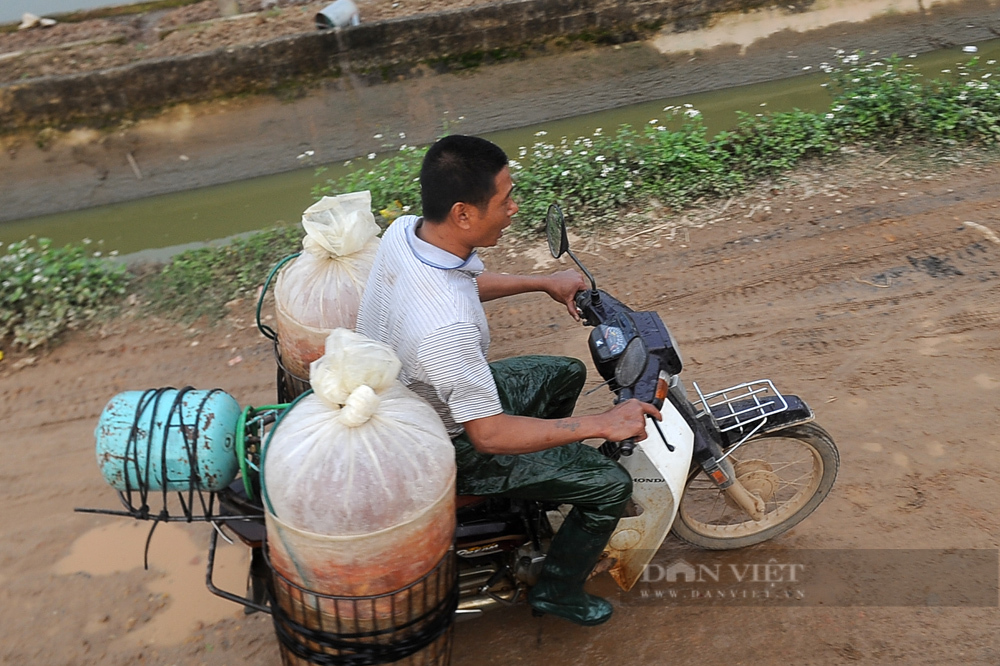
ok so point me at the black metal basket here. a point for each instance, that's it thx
(412, 625)
(290, 386)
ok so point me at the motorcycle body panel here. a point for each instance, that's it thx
(658, 478)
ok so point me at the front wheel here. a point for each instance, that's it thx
(792, 470)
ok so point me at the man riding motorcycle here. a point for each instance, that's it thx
(511, 421)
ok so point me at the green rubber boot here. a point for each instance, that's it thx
(571, 558)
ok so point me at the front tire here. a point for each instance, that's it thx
(792, 470)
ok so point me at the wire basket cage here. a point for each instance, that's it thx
(290, 386)
(410, 626)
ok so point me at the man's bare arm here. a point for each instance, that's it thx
(561, 286)
(508, 434)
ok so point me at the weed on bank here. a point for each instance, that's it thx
(671, 160)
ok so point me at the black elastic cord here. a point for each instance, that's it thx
(174, 418)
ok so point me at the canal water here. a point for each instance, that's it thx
(12, 10)
(161, 225)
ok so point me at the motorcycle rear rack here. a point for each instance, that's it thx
(743, 406)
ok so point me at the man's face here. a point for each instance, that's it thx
(488, 224)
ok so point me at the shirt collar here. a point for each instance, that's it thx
(435, 257)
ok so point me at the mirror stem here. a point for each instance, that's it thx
(595, 296)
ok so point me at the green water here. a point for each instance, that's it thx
(181, 219)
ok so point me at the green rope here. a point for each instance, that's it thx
(266, 330)
(249, 415)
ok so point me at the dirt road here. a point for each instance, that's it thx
(870, 289)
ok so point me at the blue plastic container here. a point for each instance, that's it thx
(198, 451)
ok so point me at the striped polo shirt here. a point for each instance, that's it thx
(424, 303)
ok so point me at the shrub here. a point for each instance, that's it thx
(47, 290)
(199, 282)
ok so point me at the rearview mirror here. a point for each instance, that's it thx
(632, 363)
(555, 230)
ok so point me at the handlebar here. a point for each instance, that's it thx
(626, 446)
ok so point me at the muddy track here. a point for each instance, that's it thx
(884, 317)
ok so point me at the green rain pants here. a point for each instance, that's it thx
(546, 387)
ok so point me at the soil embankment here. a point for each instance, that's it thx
(870, 288)
(200, 144)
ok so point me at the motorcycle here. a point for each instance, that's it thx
(757, 450)
(727, 469)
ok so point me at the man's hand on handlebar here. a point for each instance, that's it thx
(563, 286)
(628, 419)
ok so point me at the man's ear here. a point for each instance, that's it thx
(461, 215)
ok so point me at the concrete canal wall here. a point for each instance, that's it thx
(375, 52)
(372, 53)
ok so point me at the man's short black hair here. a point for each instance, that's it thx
(459, 169)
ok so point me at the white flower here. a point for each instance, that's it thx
(597, 132)
(402, 135)
(668, 108)
(627, 184)
(692, 113)
(661, 128)
(946, 71)
(687, 106)
(653, 121)
(565, 173)
(36, 279)
(599, 158)
(829, 116)
(371, 156)
(541, 133)
(377, 136)
(403, 147)
(806, 68)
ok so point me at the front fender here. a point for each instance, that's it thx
(798, 412)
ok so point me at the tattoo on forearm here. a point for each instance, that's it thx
(568, 424)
